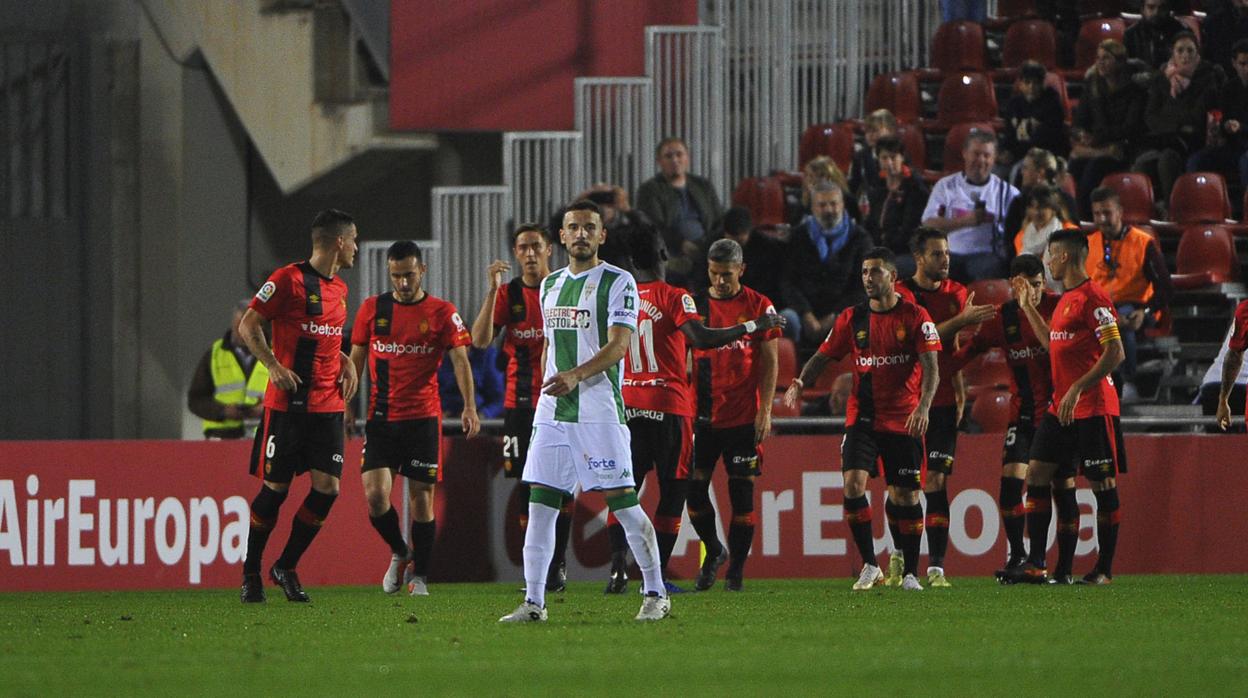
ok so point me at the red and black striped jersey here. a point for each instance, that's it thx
(727, 378)
(1027, 358)
(307, 311)
(518, 314)
(941, 303)
(654, 369)
(406, 342)
(885, 347)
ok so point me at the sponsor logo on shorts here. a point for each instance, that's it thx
(337, 458)
(417, 463)
(749, 461)
(884, 360)
(603, 464)
(937, 455)
(399, 349)
(1097, 463)
(907, 471)
(564, 318)
(317, 329)
(266, 291)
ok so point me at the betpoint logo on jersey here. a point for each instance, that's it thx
(397, 349)
(1026, 353)
(564, 318)
(884, 360)
(527, 334)
(318, 329)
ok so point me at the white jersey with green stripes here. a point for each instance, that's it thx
(577, 309)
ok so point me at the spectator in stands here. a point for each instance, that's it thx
(1149, 40)
(1034, 117)
(823, 268)
(864, 169)
(683, 205)
(896, 204)
(1128, 264)
(1226, 22)
(821, 169)
(1227, 149)
(488, 377)
(970, 207)
(1040, 167)
(1109, 118)
(1044, 217)
(229, 384)
(1179, 98)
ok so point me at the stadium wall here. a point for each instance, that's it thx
(169, 514)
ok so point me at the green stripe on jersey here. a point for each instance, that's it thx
(549, 283)
(568, 407)
(613, 375)
(604, 297)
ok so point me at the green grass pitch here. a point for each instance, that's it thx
(1145, 635)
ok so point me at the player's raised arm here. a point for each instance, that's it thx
(703, 337)
(483, 325)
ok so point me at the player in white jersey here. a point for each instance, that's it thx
(589, 312)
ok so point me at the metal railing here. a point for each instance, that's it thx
(470, 224)
(36, 122)
(615, 117)
(543, 170)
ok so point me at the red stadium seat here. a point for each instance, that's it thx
(1135, 192)
(991, 411)
(964, 98)
(786, 361)
(834, 140)
(1058, 83)
(1091, 34)
(912, 140)
(986, 372)
(1206, 257)
(956, 46)
(990, 291)
(896, 92)
(954, 141)
(1200, 197)
(764, 197)
(1029, 40)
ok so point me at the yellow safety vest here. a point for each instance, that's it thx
(231, 387)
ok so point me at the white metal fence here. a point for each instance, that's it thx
(543, 170)
(616, 119)
(470, 225)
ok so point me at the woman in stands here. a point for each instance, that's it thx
(1110, 116)
(897, 197)
(1045, 216)
(1039, 168)
(1179, 98)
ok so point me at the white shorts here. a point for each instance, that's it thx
(562, 454)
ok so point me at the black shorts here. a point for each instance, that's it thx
(292, 443)
(1091, 447)
(517, 430)
(900, 454)
(941, 438)
(736, 444)
(662, 442)
(1018, 438)
(413, 447)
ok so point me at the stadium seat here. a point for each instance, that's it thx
(957, 45)
(912, 140)
(954, 141)
(990, 291)
(834, 140)
(764, 197)
(1055, 80)
(1091, 34)
(1029, 40)
(986, 372)
(896, 92)
(963, 98)
(786, 361)
(1135, 192)
(1200, 197)
(991, 411)
(1206, 256)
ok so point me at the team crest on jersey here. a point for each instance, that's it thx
(589, 290)
(742, 319)
(900, 333)
(628, 302)
(929, 331)
(424, 326)
(266, 291)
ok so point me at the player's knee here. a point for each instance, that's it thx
(906, 497)
(741, 494)
(672, 496)
(378, 501)
(282, 487)
(935, 482)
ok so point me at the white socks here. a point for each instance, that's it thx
(539, 550)
(640, 534)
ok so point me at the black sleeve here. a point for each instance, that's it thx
(1155, 271)
(199, 397)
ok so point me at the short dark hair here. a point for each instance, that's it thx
(1184, 34)
(645, 246)
(404, 249)
(737, 220)
(1103, 194)
(584, 205)
(1073, 238)
(1239, 47)
(1042, 195)
(1032, 71)
(918, 241)
(330, 224)
(1026, 265)
(883, 254)
(890, 144)
(658, 149)
(529, 228)
(979, 135)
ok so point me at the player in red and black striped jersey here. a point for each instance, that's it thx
(309, 383)
(657, 399)
(1080, 433)
(733, 385)
(514, 310)
(1021, 330)
(894, 344)
(403, 335)
(1232, 363)
(950, 307)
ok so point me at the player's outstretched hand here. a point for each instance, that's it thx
(497, 271)
(1223, 416)
(916, 423)
(762, 426)
(793, 395)
(470, 421)
(974, 314)
(560, 384)
(768, 321)
(284, 378)
(1066, 408)
(347, 380)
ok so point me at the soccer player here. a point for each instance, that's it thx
(403, 336)
(657, 400)
(951, 309)
(1021, 330)
(894, 344)
(515, 310)
(589, 312)
(1232, 363)
(734, 385)
(310, 380)
(1080, 433)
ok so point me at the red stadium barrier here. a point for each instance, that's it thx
(184, 505)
